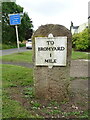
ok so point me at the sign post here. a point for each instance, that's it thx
(17, 36)
(15, 20)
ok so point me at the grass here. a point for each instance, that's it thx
(29, 92)
(13, 76)
(16, 77)
(53, 112)
(18, 57)
(83, 78)
(35, 104)
(79, 55)
(71, 113)
(0, 91)
(12, 108)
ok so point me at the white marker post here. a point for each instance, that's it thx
(17, 36)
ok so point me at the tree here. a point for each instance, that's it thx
(8, 31)
(25, 29)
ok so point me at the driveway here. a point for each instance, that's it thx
(79, 68)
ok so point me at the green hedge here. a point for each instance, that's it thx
(5, 46)
(80, 41)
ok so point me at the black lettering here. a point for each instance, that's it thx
(62, 48)
(50, 42)
(50, 55)
(42, 48)
(51, 48)
(55, 61)
(58, 48)
(46, 61)
(50, 61)
(38, 48)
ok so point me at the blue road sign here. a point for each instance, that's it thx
(15, 19)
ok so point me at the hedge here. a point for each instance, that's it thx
(80, 41)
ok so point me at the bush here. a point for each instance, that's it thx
(22, 44)
(9, 46)
(4, 46)
(81, 41)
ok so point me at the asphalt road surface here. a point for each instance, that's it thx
(14, 50)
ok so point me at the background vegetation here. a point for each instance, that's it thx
(81, 40)
(8, 31)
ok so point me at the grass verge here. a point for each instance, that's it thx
(19, 98)
(12, 108)
(14, 76)
(18, 57)
(79, 55)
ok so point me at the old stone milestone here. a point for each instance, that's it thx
(52, 46)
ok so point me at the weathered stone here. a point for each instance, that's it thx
(52, 84)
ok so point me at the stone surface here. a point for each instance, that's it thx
(52, 84)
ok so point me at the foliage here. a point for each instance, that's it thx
(8, 46)
(5, 46)
(25, 31)
(8, 31)
(81, 40)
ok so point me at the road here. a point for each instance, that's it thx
(14, 50)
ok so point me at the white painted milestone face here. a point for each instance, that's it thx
(50, 51)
